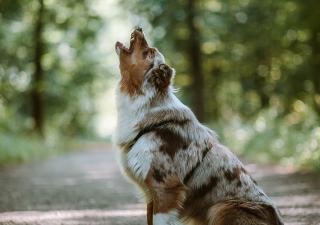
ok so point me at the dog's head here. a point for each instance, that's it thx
(141, 66)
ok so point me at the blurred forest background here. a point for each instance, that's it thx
(249, 69)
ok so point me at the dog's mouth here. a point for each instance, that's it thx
(121, 47)
(137, 39)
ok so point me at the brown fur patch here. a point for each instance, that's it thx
(196, 212)
(171, 141)
(131, 80)
(206, 188)
(167, 195)
(171, 115)
(233, 174)
(149, 127)
(134, 63)
(196, 206)
(158, 175)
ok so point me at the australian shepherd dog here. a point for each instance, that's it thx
(188, 177)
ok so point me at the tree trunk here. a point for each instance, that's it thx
(194, 51)
(37, 83)
(315, 44)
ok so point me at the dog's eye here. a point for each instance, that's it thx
(145, 53)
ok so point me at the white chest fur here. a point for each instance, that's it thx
(139, 159)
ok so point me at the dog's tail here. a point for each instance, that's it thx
(235, 212)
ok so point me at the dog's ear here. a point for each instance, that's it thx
(161, 77)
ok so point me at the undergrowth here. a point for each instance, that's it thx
(292, 140)
(19, 148)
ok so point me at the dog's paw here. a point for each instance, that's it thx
(157, 72)
(161, 76)
(158, 77)
(165, 68)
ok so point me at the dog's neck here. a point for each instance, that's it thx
(132, 110)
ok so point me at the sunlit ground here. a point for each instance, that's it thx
(70, 215)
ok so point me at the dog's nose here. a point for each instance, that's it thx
(137, 33)
(139, 29)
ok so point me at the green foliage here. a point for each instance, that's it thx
(254, 52)
(72, 75)
(71, 65)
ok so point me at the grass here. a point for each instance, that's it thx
(17, 148)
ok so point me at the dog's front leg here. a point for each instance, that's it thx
(150, 213)
(168, 193)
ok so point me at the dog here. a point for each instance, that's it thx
(188, 177)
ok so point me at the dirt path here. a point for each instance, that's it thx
(86, 188)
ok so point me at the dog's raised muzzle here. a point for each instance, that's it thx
(137, 42)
